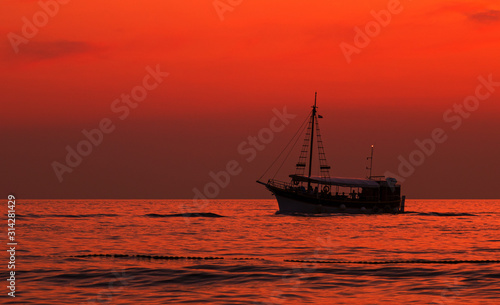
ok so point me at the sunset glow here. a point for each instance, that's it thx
(250, 151)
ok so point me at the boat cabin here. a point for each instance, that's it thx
(374, 189)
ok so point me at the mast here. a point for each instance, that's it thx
(312, 138)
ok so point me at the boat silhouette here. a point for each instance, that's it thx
(307, 193)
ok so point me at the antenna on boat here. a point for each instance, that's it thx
(371, 163)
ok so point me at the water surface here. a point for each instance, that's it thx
(58, 238)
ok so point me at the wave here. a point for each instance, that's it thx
(185, 215)
(66, 215)
(439, 214)
(362, 214)
(212, 273)
(180, 283)
(298, 214)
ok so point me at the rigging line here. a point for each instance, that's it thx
(291, 148)
(300, 128)
(295, 135)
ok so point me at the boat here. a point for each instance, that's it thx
(306, 193)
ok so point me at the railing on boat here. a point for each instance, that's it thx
(280, 184)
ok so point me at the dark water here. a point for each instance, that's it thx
(255, 245)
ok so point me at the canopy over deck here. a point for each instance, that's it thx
(340, 181)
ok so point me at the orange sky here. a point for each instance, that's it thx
(226, 76)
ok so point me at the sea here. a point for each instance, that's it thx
(243, 252)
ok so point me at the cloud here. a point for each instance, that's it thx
(37, 51)
(42, 50)
(475, 12)
(486, 16)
